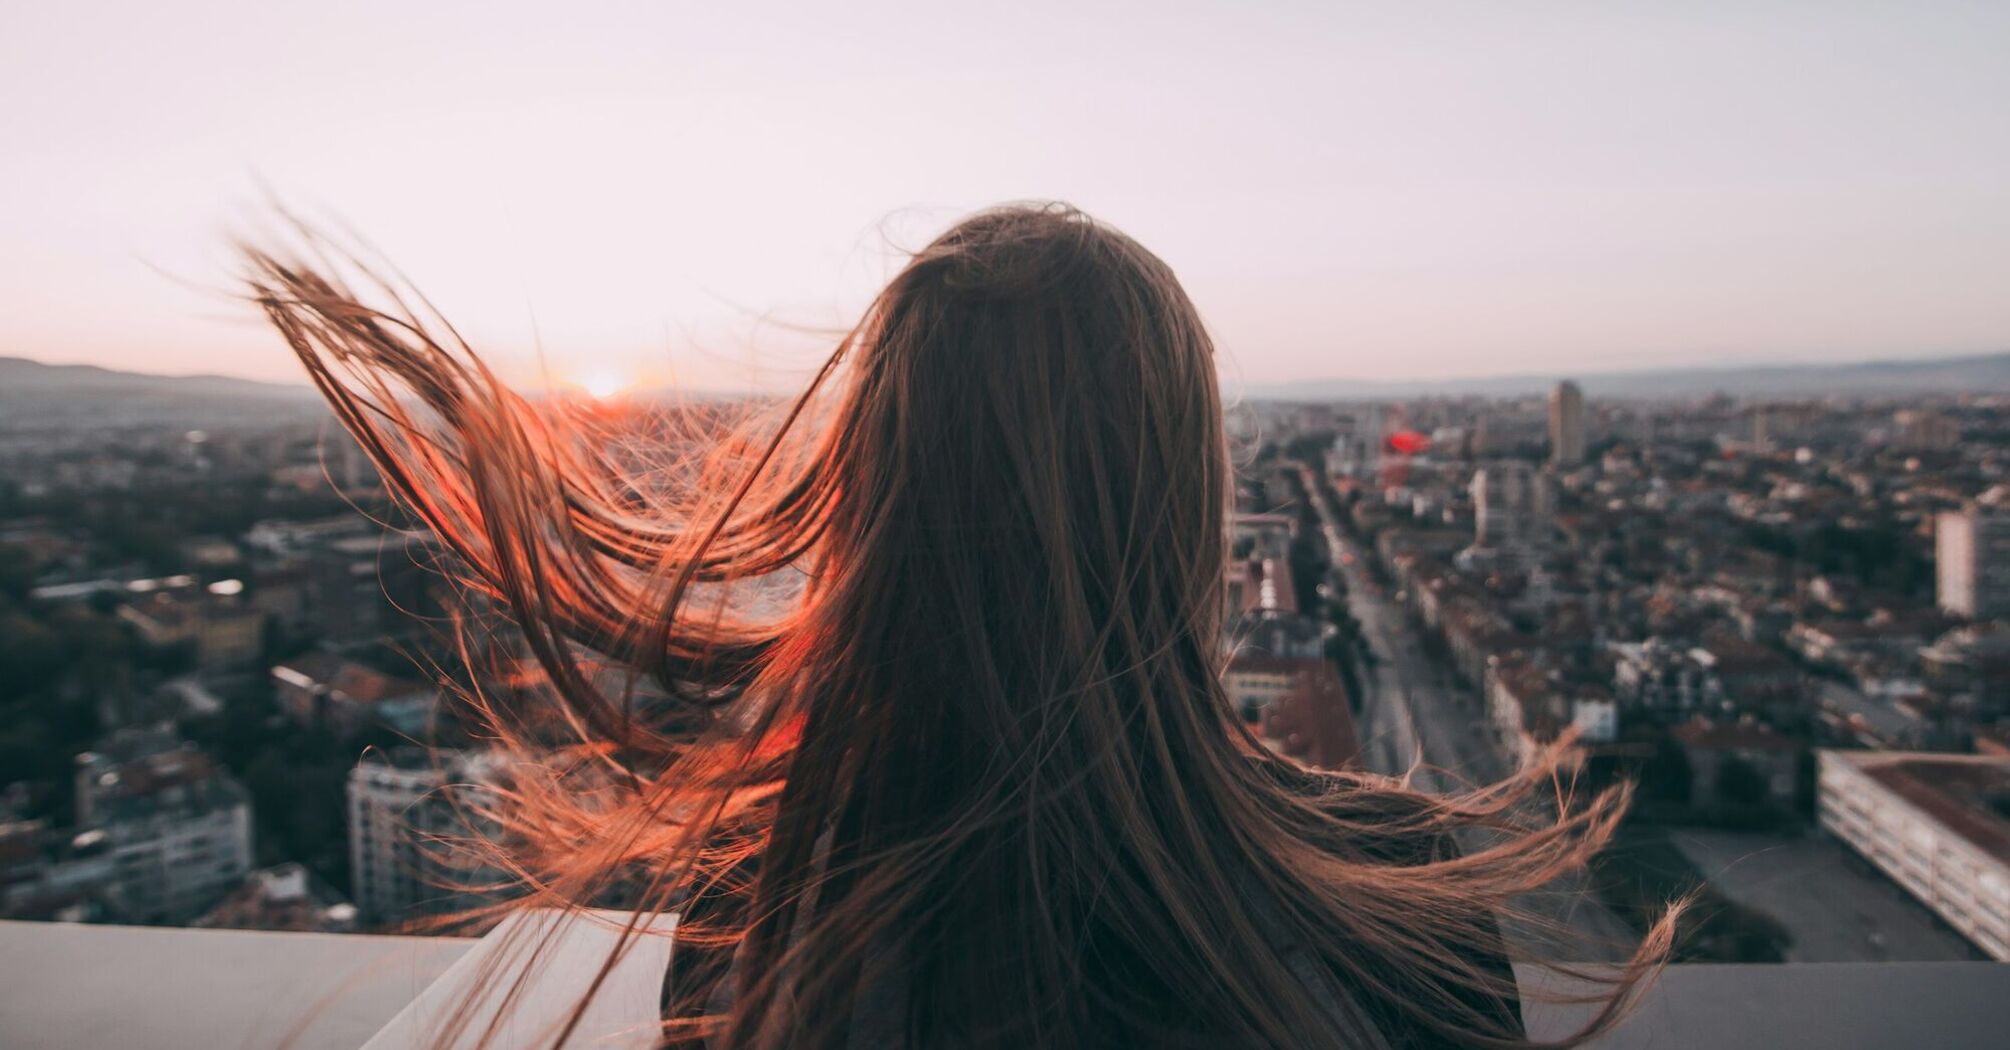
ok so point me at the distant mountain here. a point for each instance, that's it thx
(21, 375)
(1983, 372)
(34, 394)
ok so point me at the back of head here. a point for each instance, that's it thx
(1016, 624)
(1031, 477)
(978, 780)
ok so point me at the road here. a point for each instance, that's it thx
(1413, 715)
(1416, 719)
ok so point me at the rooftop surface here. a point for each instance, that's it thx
(1970, 794)
(70, 985)
(170, 989)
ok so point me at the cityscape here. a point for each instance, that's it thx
(230, 701)
(1614, 622)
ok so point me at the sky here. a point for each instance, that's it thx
(699, 192)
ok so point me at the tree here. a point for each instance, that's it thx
(1740, 783)
(18, 569)
(1666, 776)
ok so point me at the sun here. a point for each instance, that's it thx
(602, 381)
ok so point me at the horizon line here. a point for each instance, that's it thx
(1944, 357)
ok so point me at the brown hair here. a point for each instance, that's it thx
(985, 741)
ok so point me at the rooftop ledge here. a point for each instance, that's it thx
(69, 985)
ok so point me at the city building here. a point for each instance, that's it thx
(1268, 535)
(1298, 706)
(412, 834)
(1746, 677)
(282, 897)
(53, 874)
(342, 695)
(1971, 666)
(1261, 585)
(1278, 634)
(1972, 558)
(1531, 706)
(1256, 680)
(1566, 425)
(1513, 509)
(1660, 679)
(1938, 825)
(177, 827)
(345, 578)
(1738, 763)
(1923, 430)
(1849, 714)
(224, 632)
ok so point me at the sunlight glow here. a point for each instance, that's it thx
(602, 381)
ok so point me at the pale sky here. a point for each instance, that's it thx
(1411, 190)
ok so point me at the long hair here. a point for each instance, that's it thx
(979, 749)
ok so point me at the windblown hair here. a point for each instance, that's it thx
(981, 747)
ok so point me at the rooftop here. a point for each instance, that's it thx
(1729, 654)
(180, 780)
(1731, 736)
(283, 897)
(73, 985)
(1970, 794)
(1262, 585)
(171, 989)
(356, 681)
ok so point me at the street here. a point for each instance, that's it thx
(1412, 716)
(1415, 718)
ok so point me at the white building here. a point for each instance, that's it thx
(1660, 678)
(177, 828)
(1972, 558)
(410, 832)
(1595, 717)
(1936, 824)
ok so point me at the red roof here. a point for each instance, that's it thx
(1735, 655)
(1313, 722)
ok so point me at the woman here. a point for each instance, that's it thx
(978, 783)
